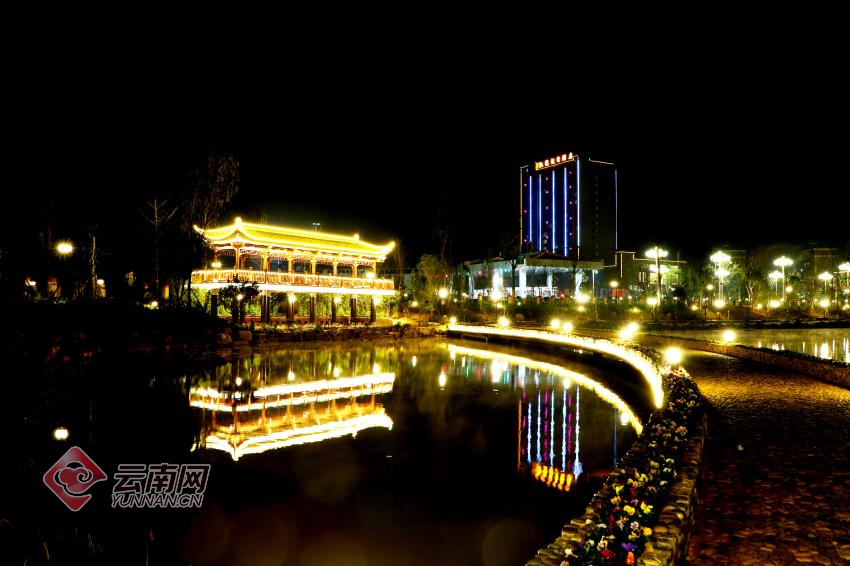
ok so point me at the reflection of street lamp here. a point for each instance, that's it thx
(782, 262)
(657, 253)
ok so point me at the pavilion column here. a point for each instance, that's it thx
(289, 263)
(290, 308)
(313, 307)
(354, 269)
(313, 265)
(334, 267)
(266, 260)
(333, 310)
(236, 263)
(267, 307)
(353, 305)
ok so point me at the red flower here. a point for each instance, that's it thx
(607, 555)
(630, 558)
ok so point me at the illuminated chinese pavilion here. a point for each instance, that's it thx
(289, 260)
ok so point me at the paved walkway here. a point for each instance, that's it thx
(776, 484)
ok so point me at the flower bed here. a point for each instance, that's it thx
(619, 522)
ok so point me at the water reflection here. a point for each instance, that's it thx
(287, 398)
(825, 343)
(286, 415)
(549, 412)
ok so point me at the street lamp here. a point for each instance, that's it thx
(775, 276)
(720, 259)
(657, 253)
(826, 277)
(783, 262)
(64, 248)
(845, 269)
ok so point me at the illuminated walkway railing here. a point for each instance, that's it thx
(296, 282)
(644, 364)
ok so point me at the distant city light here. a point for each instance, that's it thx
(443, 293)
(453, 320)
(504, 322)
(60, 433)
(728, 336)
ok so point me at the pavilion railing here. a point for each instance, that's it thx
(280, 278)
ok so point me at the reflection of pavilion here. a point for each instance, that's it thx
(288, 260)
(549, 414)
(290, 414)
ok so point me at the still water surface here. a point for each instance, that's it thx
(828, 343)
(440, 454)
(426, 452)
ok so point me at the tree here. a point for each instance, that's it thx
(431, 274)
(158, 217)
(212, 189)
(239, 295)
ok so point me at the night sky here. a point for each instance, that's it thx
(732, 136)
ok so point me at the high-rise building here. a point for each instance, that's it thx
(569, 207)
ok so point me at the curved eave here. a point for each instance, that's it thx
(289, 238)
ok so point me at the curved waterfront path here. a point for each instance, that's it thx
(776, 484)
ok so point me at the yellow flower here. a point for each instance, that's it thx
(645, 508)
(618, 489)
(629, 509)
(647, 531)
(615, 500)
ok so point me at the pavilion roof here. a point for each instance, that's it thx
(284, 237)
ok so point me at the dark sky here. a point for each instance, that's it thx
(392, 124)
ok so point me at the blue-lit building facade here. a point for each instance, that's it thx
(569, 207)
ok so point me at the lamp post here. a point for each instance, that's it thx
(720, 259)
(657, 253)
(782, 263)
(775, 276)
(826, 277)
(845, 269)
(64, 249)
